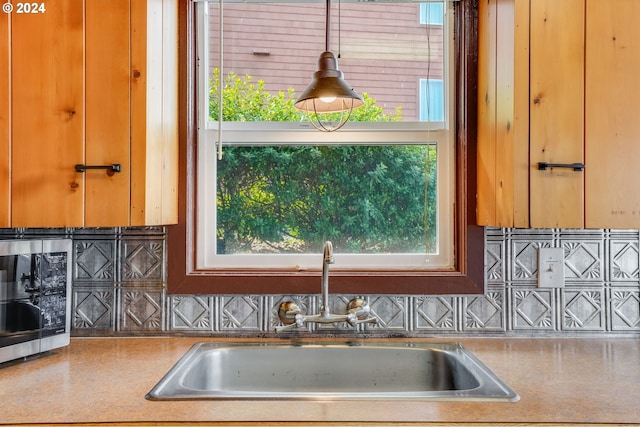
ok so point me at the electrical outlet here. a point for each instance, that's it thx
(551, 268)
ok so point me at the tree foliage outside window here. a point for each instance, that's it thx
(292, 198)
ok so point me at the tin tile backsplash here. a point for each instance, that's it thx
(119, 289)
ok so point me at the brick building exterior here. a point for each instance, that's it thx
(384, 48)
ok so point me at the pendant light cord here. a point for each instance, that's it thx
(327, 26)
(220, 81)
(339, 29)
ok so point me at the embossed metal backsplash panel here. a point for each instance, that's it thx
(119, 289)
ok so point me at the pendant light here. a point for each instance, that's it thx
(328, 92)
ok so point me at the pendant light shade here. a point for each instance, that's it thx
(328, 92)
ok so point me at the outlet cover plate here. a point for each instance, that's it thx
(551, 268)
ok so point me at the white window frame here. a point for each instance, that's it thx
(278, 133)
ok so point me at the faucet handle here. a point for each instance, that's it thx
(288, 312)
(359, 307)
(359, 311)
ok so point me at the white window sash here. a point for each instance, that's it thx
(277, 133)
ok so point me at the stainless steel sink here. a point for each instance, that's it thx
(360, 370)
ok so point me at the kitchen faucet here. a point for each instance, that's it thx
(357, 310)
(327, 258)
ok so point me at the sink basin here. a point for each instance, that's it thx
(364, 370)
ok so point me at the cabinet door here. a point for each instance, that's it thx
(503, 113)
(154, 122)
(556, 112)
(612, 135)
(47, 116)
(108, 111)
(5, 129)
(487, 198)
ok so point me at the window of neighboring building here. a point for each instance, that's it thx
(432, 100)
(432, 13)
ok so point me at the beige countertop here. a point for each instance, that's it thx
(104, 380)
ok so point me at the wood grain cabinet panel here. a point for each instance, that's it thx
(503, 92)
(154, 104)
(47, 114)
(612, 114)
(5, 121)
(108, 111)
(91, 82)
(556, 111)
(558, 84)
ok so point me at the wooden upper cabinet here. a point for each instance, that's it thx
(47, 114)
(5, 121)
(556, 111)
(108, 111)
(503, 90)
(612, 114)
(561, 89)
(154, 109)
(93, 83)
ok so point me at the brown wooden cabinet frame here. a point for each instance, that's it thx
(466, 278)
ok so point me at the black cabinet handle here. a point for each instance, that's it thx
(111, 169)
(578, 167)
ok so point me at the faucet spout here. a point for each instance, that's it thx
(290, 314)
(326, 260)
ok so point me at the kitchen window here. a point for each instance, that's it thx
(380, 189)
(268, 246)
